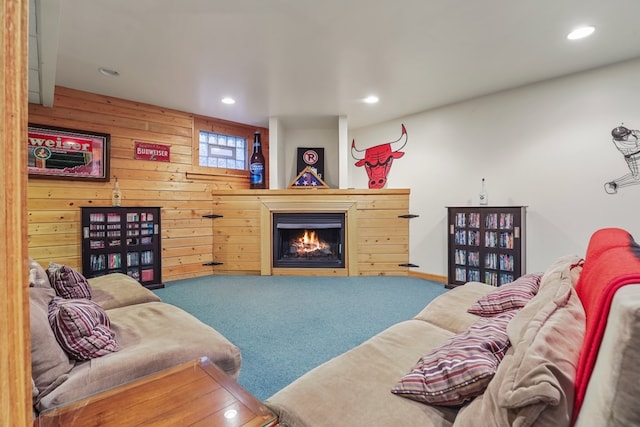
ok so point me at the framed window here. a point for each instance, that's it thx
(222, 151)
(223, 148)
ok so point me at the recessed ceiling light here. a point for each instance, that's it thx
(580, 33)
(108, 72)
(228, 100)
(371, 99)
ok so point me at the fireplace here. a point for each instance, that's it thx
(309, 240)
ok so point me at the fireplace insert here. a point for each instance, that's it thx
(309, 240)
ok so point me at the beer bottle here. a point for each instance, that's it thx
(256, 164)
(116, 196)
(484, 197)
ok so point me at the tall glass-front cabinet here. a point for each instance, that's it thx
(486, 244)
(122, 240)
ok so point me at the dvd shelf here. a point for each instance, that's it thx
(486, 244)
(122, 240)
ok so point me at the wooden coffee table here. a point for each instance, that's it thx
(196, 393)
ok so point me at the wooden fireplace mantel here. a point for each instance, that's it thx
(377, 238)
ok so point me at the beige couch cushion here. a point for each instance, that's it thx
(49, 363)
(612, 396)
(152, 337)
(118, 290)
(353, 389)
(439, 312)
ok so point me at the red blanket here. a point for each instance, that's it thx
(612, 261)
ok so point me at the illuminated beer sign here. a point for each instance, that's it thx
(60, 144)
(65, 153)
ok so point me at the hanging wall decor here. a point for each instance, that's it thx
(377, 160)
(61, 153)
(311, 157)
(308, 178)
(151, 151)
(627, 141)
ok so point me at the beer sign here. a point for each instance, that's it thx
(149, 151)
(62, 153)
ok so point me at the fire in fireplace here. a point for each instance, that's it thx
(309, 240)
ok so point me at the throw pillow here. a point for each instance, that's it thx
(461, 368)
(38, 277)
(82, 328)
(68, 283)
(562, 267)
(508, 296)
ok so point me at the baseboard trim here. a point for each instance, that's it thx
(428, 276)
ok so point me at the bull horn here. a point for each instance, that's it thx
(355, 152)
(400, 142)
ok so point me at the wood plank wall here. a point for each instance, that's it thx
(178, 187)
(15, 354)
(382, 238)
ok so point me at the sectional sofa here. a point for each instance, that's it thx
(554, 348)
(89, 336)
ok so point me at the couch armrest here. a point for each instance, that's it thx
(614, 385)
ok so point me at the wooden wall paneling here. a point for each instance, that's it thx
(399, 202)
(177, 245)
(144, 110)
(381, 238)
(58, 216)
(15, 353)
(236, 235)
(183, 196)
(177, 272)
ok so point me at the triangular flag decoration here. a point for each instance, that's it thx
(308, 178)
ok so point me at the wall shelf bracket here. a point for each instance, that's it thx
(212, 263)
(408, 264)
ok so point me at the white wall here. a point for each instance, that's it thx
(312, 138)
(547, 146)
(276, 155)
(287, 134)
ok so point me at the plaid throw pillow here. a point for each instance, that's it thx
(67, 282)
(82, 328)
(461, 368)
(508, 296)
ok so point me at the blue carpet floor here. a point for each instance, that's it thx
(285, 326)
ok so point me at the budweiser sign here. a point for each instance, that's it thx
(54, 152)
(149, 151)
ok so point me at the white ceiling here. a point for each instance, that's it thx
(298, 58)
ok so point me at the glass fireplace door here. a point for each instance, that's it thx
(309, 240)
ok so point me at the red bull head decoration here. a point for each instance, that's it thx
(377, 160)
